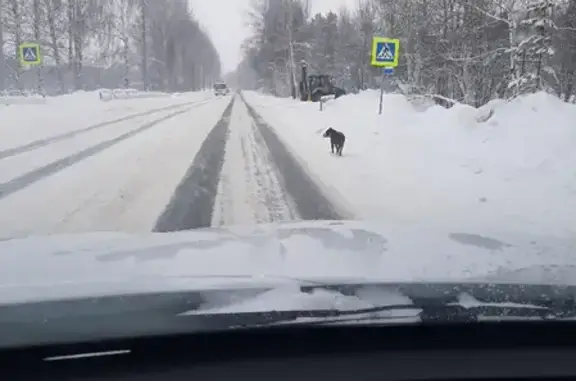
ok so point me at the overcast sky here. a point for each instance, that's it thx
(224, 20)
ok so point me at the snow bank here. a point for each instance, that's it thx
(115, 94)
(20, 97)
(505, 166)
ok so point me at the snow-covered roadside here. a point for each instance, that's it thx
(440, 167)
(123, 188)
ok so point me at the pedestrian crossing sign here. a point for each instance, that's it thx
(385, 52)
(30, 54)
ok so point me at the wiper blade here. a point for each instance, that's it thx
(425, 313)
(411, 303)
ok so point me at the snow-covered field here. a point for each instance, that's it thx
(440, 167)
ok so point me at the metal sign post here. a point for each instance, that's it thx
(385, 54)
(29, 55)
(386, 74)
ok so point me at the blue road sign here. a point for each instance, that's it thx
(385, 52)
(30, 54)
(388, 71)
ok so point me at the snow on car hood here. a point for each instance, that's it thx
(95, 264)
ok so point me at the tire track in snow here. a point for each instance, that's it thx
(192, 203)
(250, 191)
(280, 207)
(68, 135)
(27, 179)
(309, 200)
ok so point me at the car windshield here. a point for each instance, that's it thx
(168, 147)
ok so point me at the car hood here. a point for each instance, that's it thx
(99, 264)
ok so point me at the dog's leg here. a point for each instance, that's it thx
(340, 149)
(332, 145)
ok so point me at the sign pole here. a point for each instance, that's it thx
(30, 55)
(386, 74)
(385, 55)
(381, 94)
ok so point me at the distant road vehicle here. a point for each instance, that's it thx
(221, 89)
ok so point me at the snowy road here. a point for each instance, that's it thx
(200, 163)
(243, 175)
(250, 190)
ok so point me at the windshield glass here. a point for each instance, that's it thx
(182, 145)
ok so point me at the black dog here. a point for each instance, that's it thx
(337, 140)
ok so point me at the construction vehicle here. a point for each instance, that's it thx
(314, 87)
